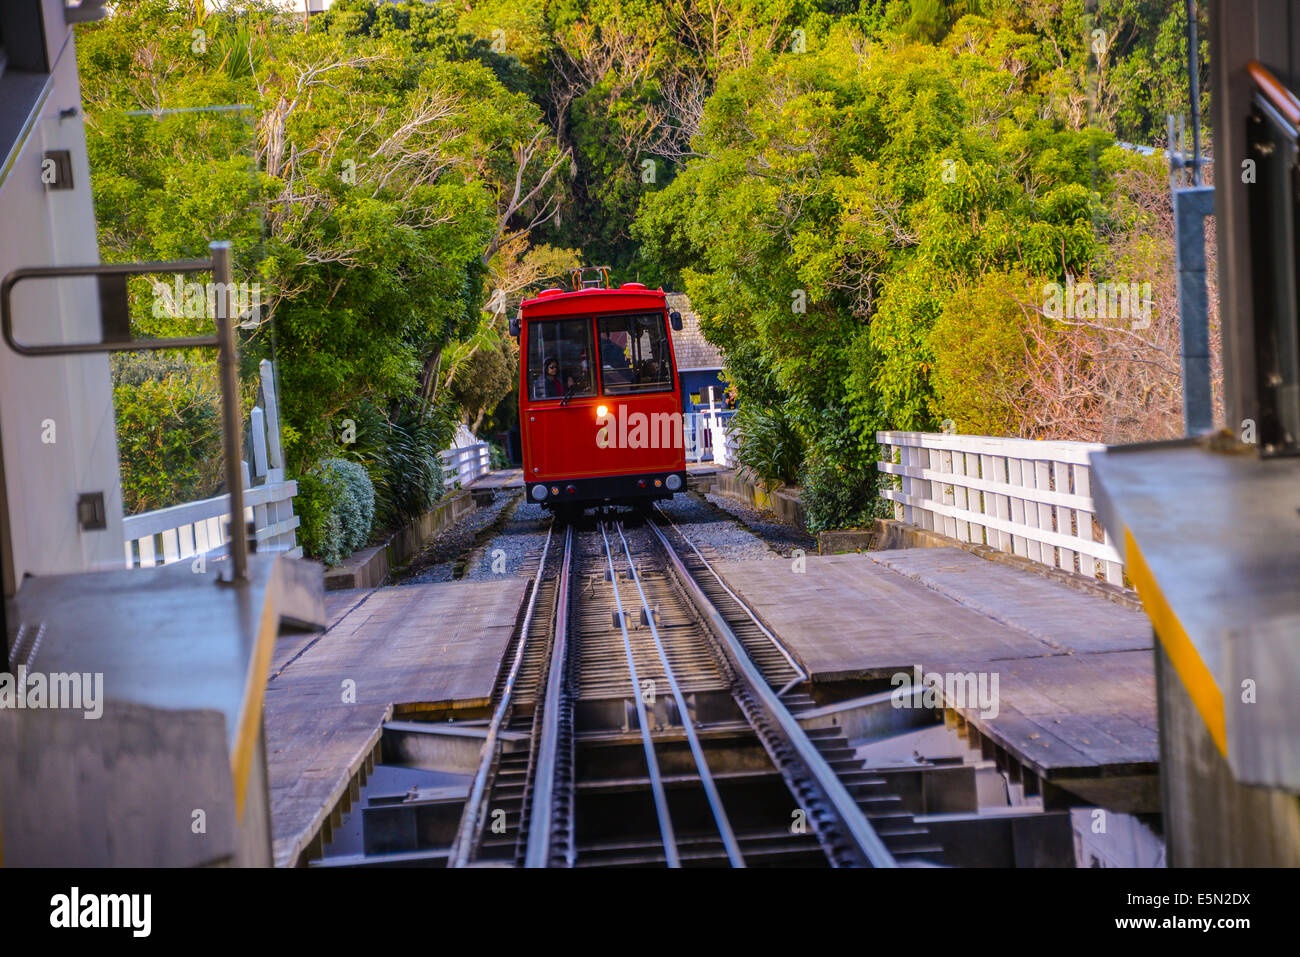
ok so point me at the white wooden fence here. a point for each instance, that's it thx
(726, 440)
(199, 528)
(460, 466)
(186, 531)
(699, 430)
(1020, 496)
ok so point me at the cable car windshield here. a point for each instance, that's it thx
(634, 354)
(558, 358)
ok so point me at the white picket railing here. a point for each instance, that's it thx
(1021, 496)
(726, 440)
(699, 430)
(461, 466)
(186, 531)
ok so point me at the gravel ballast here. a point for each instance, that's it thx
(516, 549)
(704, 525)
(506, 538)
(436, 562)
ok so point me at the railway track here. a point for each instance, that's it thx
(662, 725)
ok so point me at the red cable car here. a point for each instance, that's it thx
(599, 410)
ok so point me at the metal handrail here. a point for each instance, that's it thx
(223, 341)
(580, 282)
(1278, 96)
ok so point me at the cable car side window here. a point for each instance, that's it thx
(558, 363)
(634, 354)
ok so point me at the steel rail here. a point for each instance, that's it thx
(652, 763)
(470, 818)
(706, 778)
(744, 606)
(864, 836)
(541, 821)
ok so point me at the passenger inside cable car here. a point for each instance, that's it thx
(551, 385)
(557, 359)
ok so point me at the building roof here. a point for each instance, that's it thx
(693, 351)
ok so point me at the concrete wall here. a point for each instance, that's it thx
(782, 502)
(41, 479)
(369, 567)
(1210, 819)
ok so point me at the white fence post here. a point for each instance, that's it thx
(1027, 497)
(272, 405)
(257, 432)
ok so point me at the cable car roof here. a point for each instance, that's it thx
(630, 295)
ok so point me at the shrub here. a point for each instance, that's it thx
(401, 456)
(169, 431)
(356, 504)
(770, 448)
(837, 495)
(319, 527)
(335, 505)
(412, 470)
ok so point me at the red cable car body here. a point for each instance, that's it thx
(599, 408)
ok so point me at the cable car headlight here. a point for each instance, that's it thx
(601, 411)
(539, 492)
(674, 482)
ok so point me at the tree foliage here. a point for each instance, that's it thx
(367, 171)
(864, 201)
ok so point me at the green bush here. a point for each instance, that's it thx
(401, 456)
(770, 448)
(169, 431)
(412, 470)
(356, 505)
(316, 505)
(836, 495)
(336, 510)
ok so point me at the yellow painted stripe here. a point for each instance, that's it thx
(1196, 677)
(250, 718)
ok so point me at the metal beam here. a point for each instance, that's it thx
(1191, 206)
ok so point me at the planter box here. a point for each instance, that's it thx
(369, 567)
(846, 540)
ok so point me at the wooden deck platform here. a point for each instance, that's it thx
(1075, 672)
(500, 479)
(402, 648)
